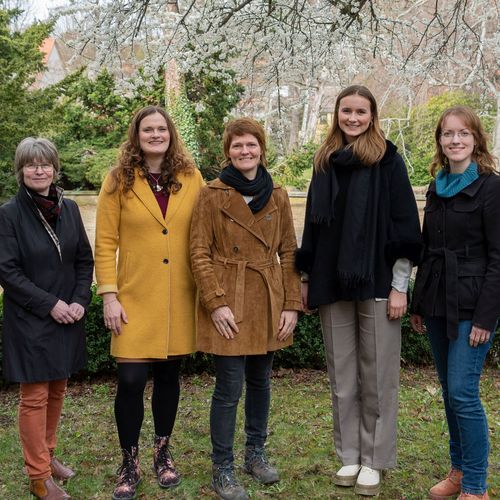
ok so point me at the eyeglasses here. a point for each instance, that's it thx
(463, 134)
(33, 167)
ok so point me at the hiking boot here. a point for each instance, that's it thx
(60, 471)
(163, 463)
(225, 484)
(347, 475)
(46, 489)
(368, 482)
(448, 487)
(129, 476)
(257, 464)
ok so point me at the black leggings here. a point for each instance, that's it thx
(129, 401)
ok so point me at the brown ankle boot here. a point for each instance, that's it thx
(447, 488)
(46, 489)
(60, 471)
(470, 496)
(163, 463)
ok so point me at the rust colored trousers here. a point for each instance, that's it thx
(40, 406)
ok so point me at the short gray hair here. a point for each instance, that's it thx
(35, 149)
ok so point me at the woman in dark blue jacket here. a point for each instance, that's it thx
(457, 288)
(46, 271)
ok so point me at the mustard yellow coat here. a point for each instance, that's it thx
(153, 277)
(244, 261)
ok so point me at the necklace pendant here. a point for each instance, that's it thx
(158, 188)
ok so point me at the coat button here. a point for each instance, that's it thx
(436, 275)
(165, 261)
(165, 231)
(236, 249)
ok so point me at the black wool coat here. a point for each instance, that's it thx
(397, 235)
(459, 277)
(34, 277)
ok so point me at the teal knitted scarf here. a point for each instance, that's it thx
(448, 184)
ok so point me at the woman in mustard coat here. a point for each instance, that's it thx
(242, 251)
(144, 212)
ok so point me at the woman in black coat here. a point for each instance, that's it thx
(45, 270)
(361, 235)
(457, 289)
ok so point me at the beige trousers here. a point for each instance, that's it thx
(362, 351)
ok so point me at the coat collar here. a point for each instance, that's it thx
(143, 191)
(235, 208)
(470, 191)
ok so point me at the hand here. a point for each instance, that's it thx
(61, 313)
(288, 320)
(223, 319)
(417, 323)
(76, 310)
(478, 336)
(396, 305)
(114, 314)
(304, 293)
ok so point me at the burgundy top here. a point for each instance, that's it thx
(160, 194)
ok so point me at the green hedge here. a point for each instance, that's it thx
(306, 351)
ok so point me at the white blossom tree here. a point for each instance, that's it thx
(292, 54)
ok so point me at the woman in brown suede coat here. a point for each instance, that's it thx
(242, 253)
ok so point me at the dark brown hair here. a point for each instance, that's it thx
(484, 159)
(369, 147)
(239, 127)
(131, 157)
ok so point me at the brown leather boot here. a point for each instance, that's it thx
(46, 489)
(60, 471)
(470, 496)
(447, 488)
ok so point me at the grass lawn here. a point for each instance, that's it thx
(300, 441)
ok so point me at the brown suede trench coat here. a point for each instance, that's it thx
(244, 261)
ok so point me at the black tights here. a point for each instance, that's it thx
(129, 401)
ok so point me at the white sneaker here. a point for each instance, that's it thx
(368, 482)
(346, 475)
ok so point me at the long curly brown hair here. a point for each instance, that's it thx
(131, 156)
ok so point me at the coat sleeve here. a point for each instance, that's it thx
(14, 281)
(406, 237)
(84, 264)
(304, 256)
(487, 309)
(211, 294)
(286, 251)
(106, 239)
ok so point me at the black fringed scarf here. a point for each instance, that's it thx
(261, 188)
(355, 266)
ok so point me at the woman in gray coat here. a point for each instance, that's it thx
(46, 271)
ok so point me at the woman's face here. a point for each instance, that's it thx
(154, 137)
(38, 175)
(244, 152)
(355, 116)
(457, 142)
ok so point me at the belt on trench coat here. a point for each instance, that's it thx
(239, 293)
(449, 259)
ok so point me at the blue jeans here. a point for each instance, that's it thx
(459, 368)
(230, 373)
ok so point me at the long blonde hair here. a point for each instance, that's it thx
(369, 147)
(484, 159)
(176, 159)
